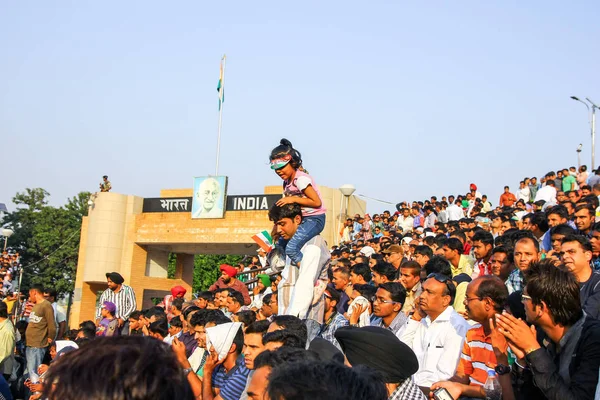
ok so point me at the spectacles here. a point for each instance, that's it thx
(375, 299)
(469, 299)
(525, 297)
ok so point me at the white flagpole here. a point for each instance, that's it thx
(222, 104)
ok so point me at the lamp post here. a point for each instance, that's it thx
(592, 123)
(347, 191)
(6, 233)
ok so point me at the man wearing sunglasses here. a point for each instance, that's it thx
(435, 331)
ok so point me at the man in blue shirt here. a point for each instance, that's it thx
(229, 373)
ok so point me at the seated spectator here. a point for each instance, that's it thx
(292, 324)
(410, 278)
(460, 263)
(175, 330)
(502, 262)
(235, 302)
(333, 319)
(266, 361)
(225, 364)
(245, 317)
(383, 273)
(435, 332)
(387, 307)
(159, 329)
(485, 298)
(576, 252)
(552, 304)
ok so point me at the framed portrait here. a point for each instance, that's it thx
(209, 197)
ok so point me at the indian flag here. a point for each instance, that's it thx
(221, 84)
(264, 241)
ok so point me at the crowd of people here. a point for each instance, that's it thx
(445, 299)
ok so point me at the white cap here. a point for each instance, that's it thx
(367, 251)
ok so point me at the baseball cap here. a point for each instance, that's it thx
(367, 251)
(393, 249)
(109, 306)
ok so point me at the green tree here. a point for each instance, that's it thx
(47, 238)
(206, 269)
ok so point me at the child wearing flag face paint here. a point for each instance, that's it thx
(299, 188)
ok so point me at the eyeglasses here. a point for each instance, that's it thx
(525, 297)
(375, 299)
(469, 299)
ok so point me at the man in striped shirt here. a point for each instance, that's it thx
(122, 296)
(485, 297)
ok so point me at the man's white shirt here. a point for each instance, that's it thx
(437, 345)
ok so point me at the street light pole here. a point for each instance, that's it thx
(592, 113)
(594, 107)
(6, 233)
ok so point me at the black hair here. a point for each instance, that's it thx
(590, 209)
(582, 240)
(515, 304)
(3, 310)
(236, 296)
(494, 288)
(286, 337)
(190, 310)
(325, 381)
(293, 324)
(178, 303)
(455, 244)
(258, 327)
(88, 324)
(246, 317)
(238, 340)
(562, 229)
(51, 293)
(510, 255)
(176, 322)
(438, 265)
(160, 326)
(199, 317)
(484, 237)
(267, 298)
(425, 250)
(413, 265)
(216, 317)
(135, 315)
(539, 219)
(385, 269)
(557, 288)
(285, 148)
(37, 288)
(206, 295)
(81, 374)
(333, 293)
(396, 290)
(87, 332)
(282, 356)
(365, 290)
(362, 270)
(157, 312)
(559, 210)
(277, 213)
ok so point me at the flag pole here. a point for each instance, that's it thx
(221, 104)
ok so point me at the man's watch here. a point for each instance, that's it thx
(187, 371)
(502, 369)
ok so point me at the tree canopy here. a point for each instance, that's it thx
(47, 238)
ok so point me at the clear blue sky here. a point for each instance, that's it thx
(403, 99)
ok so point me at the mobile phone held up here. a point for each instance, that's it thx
(442, 394)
